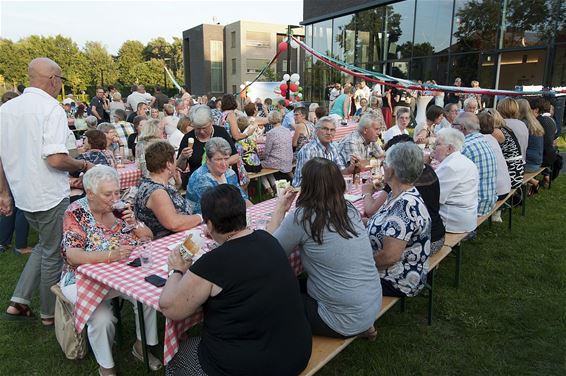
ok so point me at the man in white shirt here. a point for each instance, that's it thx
(34, 166)
(403, 119)
(458, 178)
(365, 89)
(139, 96)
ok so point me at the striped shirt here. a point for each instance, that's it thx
(478, 151)
(312, 150)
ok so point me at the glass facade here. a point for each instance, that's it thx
(500, 43)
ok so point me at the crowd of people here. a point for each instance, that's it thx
(195, 156)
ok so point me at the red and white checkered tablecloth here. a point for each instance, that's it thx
(342, 132)
(130, 175)
(94, 281)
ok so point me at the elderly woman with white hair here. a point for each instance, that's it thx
(400, 231)
(459, 179)
(91, 235)
(471, 105)
(214, 172)
(151, 131)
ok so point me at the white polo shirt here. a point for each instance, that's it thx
(33, 126)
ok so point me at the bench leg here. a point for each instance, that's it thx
(524, 199)
(144, 340)
(430, 279)
(458, 251)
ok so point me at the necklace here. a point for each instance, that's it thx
(234, 234)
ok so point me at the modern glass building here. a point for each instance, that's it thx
(500, 43)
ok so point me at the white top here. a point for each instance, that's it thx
(175, 138)
(137, 97)
(458, 178)
(503, 180)
(33, 126)
(522, 133)
(392, 132)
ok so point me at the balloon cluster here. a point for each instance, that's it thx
(290, 84)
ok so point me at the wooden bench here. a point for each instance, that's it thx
(258, 175)
(324, 349)
(526, 177)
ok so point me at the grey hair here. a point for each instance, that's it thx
(274, 117)
(448, 106)
(169, 109)
(325, 119)
(149, 129)
(91, 121)
(452, 137)
(469, 121)
(403, 110)
(313, 106)
(105, 127)
(97, 175)
(217, 145)
(366, 121)
(373, 101)
(200, 115)
(406, 159)
(470, 100)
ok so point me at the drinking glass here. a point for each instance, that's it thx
(118, 209)
(145, 252)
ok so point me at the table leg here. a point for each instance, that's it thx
(144, 340)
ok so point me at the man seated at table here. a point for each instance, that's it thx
(403, 119)
(458, 178)
(323, 147)
(480, 152)
(214, 172)
(92, 234)
(123, 130)
(361, 143)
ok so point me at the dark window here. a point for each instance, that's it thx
(464, 66)
(344, 39)
(521, 68)
(559, 73)
(527, 23)
(430, 68)
(369, 46)
(432, 27)
(399, 26)
(476, 23)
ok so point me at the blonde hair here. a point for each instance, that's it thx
(242, 122)
(498, 121)
(508, 108)
(117, 96)
(527, 116)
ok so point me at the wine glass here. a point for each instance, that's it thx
(118, 209)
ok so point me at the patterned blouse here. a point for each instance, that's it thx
(146, 215)
(512, 154)
(201, 180)
(94, 156)
(405, 218)
(304, 139)
(80, 230)
(247, 148)
(278, 150)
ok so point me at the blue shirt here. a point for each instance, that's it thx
(201, 180)
(289, 120)
(478, 151)
(311, 150)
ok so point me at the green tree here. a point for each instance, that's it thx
(100, 65)
(177, 60)
(149, 73)
(129, 55)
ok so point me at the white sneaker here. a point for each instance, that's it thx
(496, 217)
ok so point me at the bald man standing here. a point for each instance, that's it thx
(34, 165)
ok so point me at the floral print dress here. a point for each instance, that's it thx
(80, 230)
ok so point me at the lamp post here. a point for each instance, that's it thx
(289, 31)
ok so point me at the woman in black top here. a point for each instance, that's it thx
(254, 323)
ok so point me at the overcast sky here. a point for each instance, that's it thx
(113, 22)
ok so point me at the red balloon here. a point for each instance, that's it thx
(287, 102)
(282, 46)
(283, 87)
(283, 93)
(294, 87)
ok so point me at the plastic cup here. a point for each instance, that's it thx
(349, 182)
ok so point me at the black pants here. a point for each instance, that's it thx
(387, 289)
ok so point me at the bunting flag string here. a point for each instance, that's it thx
(399, 83)
(172, 78)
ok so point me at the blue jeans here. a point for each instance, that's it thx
(17, 221)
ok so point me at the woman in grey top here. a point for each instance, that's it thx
(343, 291)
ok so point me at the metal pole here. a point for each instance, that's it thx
(164, 78)
(288, 94)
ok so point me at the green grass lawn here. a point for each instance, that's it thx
(507, 318)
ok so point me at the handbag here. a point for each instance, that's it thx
(72, 343)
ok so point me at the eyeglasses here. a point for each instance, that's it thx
(59, 77)
(327, 130)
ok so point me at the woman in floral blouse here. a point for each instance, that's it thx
(91, 235)
(400, 231)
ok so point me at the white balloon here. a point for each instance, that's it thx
(286, 77)
(295, 77)
(242, 86)
(298, 83)
(300, 95)
(248, 82)
(294, 44)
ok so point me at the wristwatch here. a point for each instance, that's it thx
(173, 271)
